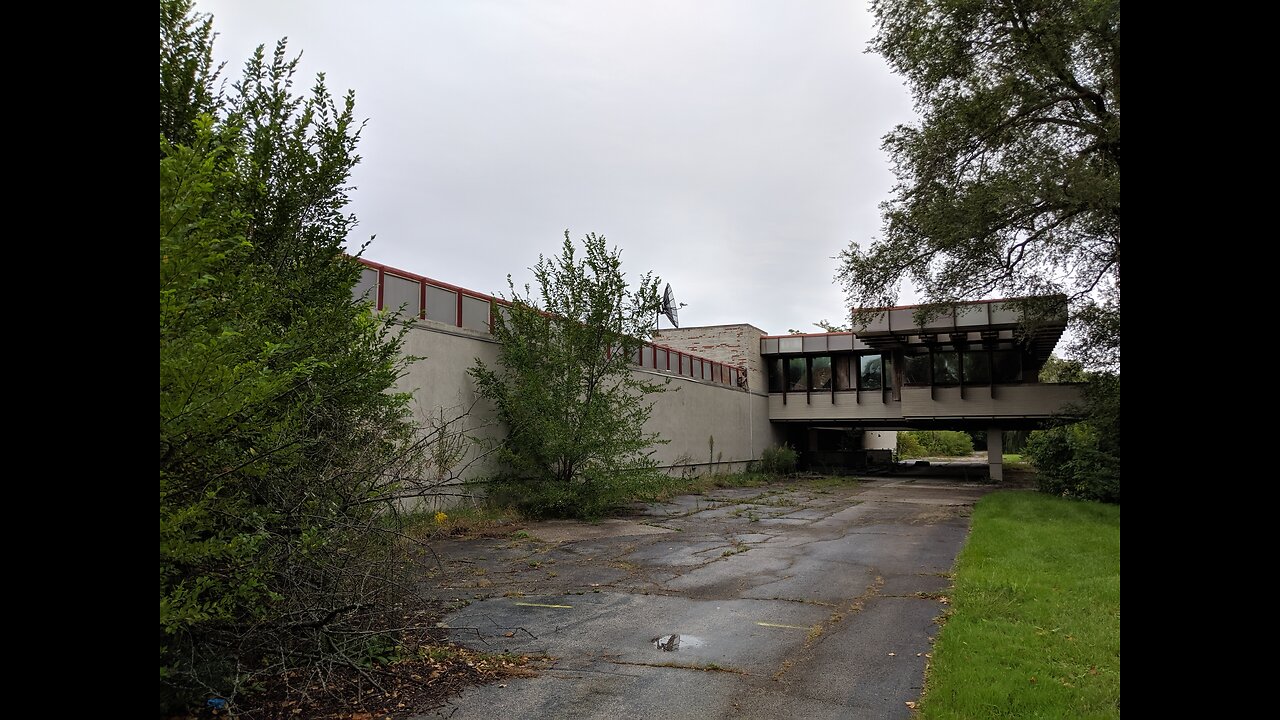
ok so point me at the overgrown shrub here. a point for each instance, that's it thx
(1082, 459)
(939, 443)
(575, 412)
(281, 436)
(779, 460)
(585, 496)
(909, 446)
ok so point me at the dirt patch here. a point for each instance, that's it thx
(405, 689)
(941, 514)
(401, 689)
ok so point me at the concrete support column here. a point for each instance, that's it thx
(995, 453)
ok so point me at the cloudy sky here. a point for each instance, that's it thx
(730, 146)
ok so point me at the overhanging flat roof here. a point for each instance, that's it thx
(1035, 323)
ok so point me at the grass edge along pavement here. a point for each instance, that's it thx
(1034, 625)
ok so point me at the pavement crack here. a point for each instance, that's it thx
(804, 601)
(588, 670)
(704, 667)
(819, 632)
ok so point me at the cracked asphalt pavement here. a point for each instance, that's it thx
(813, 599)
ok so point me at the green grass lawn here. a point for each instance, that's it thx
(1034, 630)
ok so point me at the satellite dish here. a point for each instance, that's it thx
(669, 307)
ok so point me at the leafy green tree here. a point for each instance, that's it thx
(187, 73)
(1057, 370)
(1010, 181)
(565, 387)
(281, 438)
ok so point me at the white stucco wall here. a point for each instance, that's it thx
(440, 385)
(688, 414)
(880, 440)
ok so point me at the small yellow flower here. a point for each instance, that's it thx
(441, 517)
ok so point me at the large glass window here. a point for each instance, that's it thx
(822, 373)
(777, 379)
(870, 372)
(946, 368)
(1006, 366)
(917, 370)
(797, 374)
(977, 368)
(844, 378)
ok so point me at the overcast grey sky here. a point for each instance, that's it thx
(730, 146)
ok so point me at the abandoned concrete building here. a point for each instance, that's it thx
(838, 398)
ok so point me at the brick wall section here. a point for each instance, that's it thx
(731, 344)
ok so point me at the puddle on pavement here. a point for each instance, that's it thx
(673, 643)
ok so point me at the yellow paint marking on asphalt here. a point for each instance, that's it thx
(792, 627)
(567, 607)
